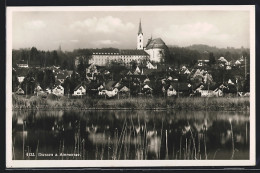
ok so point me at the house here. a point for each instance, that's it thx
(124, 89)
(222, 60)
(79, 90)
(147, 89)
(20, 78)
(38, 90)
(147, 80)
(58, 90)
(137, 71)
(237, 63)
(92, 71)
(210, 90)
(110, 85)
(48, 90)
(20, 91)
(129, 73)
(151, 66)
(218, 92)
(61, 77)
(171, 91)
(21, 73)
(23, 64)
(202, 63)
(187, 71)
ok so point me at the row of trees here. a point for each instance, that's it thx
(39, 58)
(190, 55)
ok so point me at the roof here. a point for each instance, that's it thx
(132, 52)
(59, 87)
(124, 89)
(110, 51)
(79, 87)
(156, 43)
(110, 84)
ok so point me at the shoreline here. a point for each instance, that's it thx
(181, 103)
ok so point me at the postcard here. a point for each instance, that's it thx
(130, 86)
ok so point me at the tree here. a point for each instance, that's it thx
(81, 69)
(65, 64)
(133, 64)
(48, 79)
(33, 57)
(66, 86)
(39, 77)
(74, 81)
(212, 59)
(55, 58)
(246, 87)
(15, 81)
(28, 83)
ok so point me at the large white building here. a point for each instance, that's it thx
(103, 57)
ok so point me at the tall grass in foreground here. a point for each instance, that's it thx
(181, 103)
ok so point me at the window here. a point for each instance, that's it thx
(140, 40)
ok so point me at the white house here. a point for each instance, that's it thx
(171, 91)
(20, 91)
(58, 90)
(79, 90)
(23, 64)
(38, 90)
(20, 78)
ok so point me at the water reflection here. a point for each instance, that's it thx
(130, 135)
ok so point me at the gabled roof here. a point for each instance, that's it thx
(58, 87)
(124, 89)
(79, 87)
(110, 85)
(147, 87)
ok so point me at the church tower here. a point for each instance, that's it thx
(140, 38)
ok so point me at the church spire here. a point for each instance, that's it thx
(140, 38)
(140, 28)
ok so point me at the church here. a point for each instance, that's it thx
(156, 48)
(153, 51)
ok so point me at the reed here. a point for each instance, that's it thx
(232, 140)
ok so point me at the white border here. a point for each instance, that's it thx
(131, 163)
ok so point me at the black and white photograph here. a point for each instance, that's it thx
(130, 86)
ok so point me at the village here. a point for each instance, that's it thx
(141, 72)
(144, 80)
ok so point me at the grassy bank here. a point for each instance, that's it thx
(182, 103)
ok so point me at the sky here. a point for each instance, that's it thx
(46, 30)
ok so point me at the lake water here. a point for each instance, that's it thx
(130, 135)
